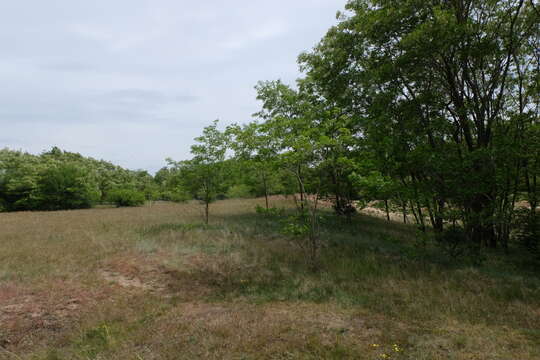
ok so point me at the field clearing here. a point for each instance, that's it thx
(155, 283)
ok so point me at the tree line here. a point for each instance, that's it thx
(61, 180)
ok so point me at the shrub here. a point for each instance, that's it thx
(240, 191)
(66, 186)
(452, 241)
(273, 211)
(126, 197)
(178, 195)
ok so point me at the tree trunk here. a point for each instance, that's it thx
(301, 188)
(481, 230)
(404, 210)
(265, 191)
(421, 217)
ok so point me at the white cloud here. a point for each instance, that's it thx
(253, 36)
(135, 81)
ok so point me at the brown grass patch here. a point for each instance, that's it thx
(30, 316)
(272, 331)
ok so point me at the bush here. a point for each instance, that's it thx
(126, 197)
(240, 191)
(273, 211)
(64, 187)
(178, 195)
(452, 241)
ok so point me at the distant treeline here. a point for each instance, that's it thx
(60, 180)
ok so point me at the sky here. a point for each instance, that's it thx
(134, 81)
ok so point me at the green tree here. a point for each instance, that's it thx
(205, 172)
(433, 84)
(257, 152)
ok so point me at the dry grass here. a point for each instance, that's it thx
(154, 283)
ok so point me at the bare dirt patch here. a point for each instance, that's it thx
(123, 280)
(29, 316)
(136, 273)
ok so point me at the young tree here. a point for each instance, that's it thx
(206, 169)
(257, 151)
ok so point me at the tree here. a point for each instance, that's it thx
(257, 151)
(433, 85)
(206, 170)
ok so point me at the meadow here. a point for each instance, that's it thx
(155, 282)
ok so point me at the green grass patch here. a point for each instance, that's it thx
(155, 230)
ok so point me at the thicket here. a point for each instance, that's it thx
(126, 197)
(60, 180)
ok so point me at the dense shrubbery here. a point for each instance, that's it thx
(177, 194)
(66, 186)
(58, 180)
(126, 197)
(239, 191)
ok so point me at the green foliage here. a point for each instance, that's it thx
(453, 241)
(239, 191)
(204, 175)
(126, 197)
(296, 227)
(94, 341)
(439, 119)
(158, 229)
(65, 186)
(271, 212)
(58, 180)
(426, 108)
(177, 194)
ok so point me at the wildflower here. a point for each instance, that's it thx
(375, 345)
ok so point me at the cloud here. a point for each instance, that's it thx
(259, 33)
(137, 96)
(69, 66)
(134, 81)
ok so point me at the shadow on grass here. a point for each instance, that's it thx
(387, 267)
(173, 227)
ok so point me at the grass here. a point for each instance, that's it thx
(155, 283)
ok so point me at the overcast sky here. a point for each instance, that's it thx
(134, 81)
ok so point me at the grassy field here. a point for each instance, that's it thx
(155, 283)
